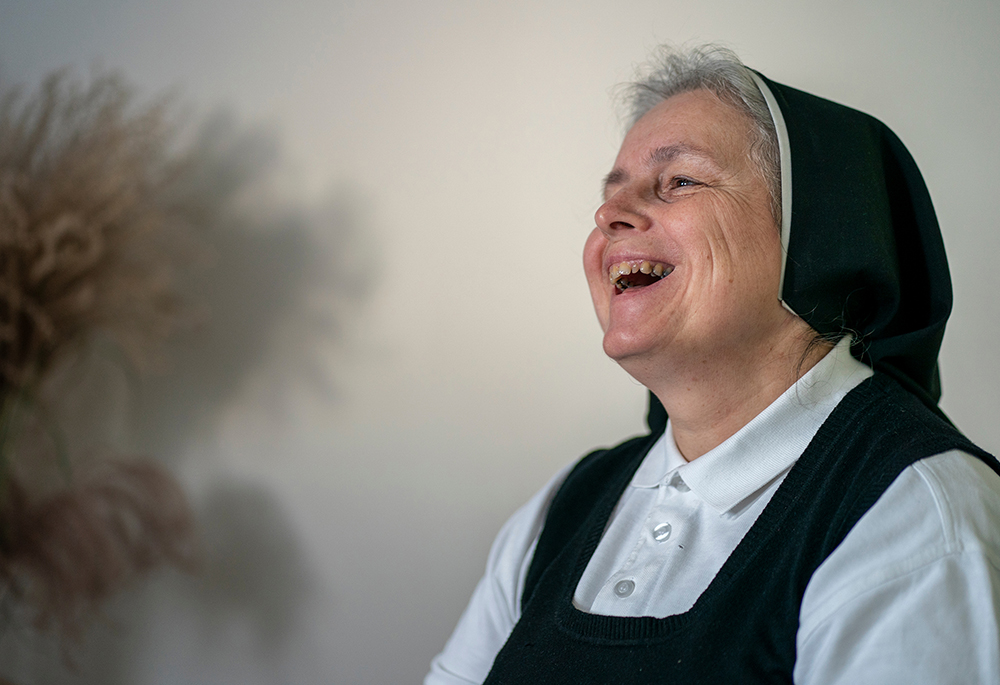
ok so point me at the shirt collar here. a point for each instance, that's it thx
(764, 448)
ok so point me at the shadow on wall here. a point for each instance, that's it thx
(230, 623)
(271, 289)
(253, 570)
(269, 283)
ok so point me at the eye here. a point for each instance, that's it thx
(667, 186)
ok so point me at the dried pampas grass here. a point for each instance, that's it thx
(76, 548)
(89, 234)
(84, 202)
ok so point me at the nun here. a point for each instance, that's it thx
(768, 264)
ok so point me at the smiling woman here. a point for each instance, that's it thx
(806, 513)
(684, 193)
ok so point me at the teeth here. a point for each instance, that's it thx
(616, 271)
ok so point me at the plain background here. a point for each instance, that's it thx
(401, 347)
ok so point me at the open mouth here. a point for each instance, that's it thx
(638, 274)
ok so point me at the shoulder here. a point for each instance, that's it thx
(894, 419)
(514, 545)
(495, 605)
(942, 505)
(588, 480)
(594, 479)
(917, 571)
(869, 444)
(567, 493)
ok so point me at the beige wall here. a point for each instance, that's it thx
(398, 366)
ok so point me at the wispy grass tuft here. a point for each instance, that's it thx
(90, 229)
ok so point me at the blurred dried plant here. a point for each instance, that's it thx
(90, 233)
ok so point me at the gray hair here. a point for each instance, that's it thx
(672, 71)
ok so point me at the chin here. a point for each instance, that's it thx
(625, 345)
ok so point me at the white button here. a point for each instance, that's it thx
(662, 532)
(624, 588)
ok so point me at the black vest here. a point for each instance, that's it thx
(742, 628)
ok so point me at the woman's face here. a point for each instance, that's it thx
(684, 199)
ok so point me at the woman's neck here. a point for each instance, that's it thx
(709, 402)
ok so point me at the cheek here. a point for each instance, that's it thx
(593, 267)
(760, 255)
(750, 241)
(593, 253)
(756, 270)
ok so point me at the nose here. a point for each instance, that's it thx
(619, 212)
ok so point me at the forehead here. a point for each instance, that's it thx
(694, 125)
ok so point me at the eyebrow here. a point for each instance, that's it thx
(660, 155)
